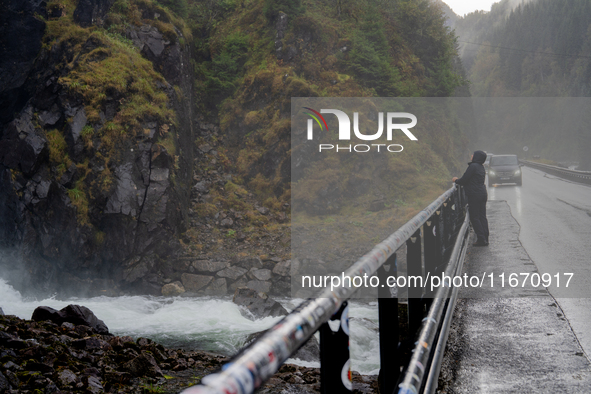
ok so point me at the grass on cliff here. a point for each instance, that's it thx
(349, 49)
(116, 69)
(57, 151)
(101, 67)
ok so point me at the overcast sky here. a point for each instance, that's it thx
(462, 7)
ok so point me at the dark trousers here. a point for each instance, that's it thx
(477, 209)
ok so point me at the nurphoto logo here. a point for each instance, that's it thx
(344, 131)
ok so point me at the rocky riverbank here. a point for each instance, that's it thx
(72, 351)
(46, 357)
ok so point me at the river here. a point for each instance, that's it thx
(212, 324)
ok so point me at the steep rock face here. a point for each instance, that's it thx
(91, 12)
(20, 41)
(77, 221)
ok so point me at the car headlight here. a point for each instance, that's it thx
(517, 172)
(491, 172)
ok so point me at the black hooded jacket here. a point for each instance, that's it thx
(473, 178)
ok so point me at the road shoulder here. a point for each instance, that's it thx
(507, 340)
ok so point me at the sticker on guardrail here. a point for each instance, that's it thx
(346, 376)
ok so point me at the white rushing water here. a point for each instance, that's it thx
(206, 323)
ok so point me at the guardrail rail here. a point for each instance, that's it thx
(444, 229)
(574, 175)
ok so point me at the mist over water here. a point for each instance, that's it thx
(205, 323)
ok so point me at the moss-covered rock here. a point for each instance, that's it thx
(108, 117)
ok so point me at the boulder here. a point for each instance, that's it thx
(1, 312)
(252, 262)
(227, 222)
(51, 117)
(281, 286)
(181, 265)
(75, 125)
(261, 286)
(209, 266)
(255, 305)
(66, 377)
(263, 210)
(93, 385)
(217, 287)
(239, 283)
(260, 274)
(193, 282)
(91, 343)
(283, 268)
(201, 187)
(42, 189)
(232, 272)
(173, 289)
(143, 365)
(205, 148)
(75, 314)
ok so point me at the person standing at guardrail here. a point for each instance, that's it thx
(473, 182)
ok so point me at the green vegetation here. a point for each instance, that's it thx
(538, 49)
(151, 388)
(225, 68)
(80, 201)
(361, 48)
(179, 7)
(290, 7)
(118, 68)
(58, 155)
(369, 57)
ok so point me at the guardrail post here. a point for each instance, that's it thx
(432, 250)
(462, 205)
(335, 369)
(457, 212)
(389, 330)
(415, 293)
(447, 230)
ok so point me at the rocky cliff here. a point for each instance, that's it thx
(105, 186)
(95, 144)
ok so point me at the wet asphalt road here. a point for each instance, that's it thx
(528, 338)
(554, 216)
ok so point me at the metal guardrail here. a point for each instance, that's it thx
(422, 373)
(577, 176)
(440, 222)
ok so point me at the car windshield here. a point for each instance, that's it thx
(503, 160)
